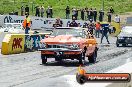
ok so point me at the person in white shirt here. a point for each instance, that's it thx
(117, 19)
(42, 11)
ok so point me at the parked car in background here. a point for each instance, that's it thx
(69, 43)
(125, 36)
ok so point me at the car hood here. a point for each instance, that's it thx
(62, 39)
(125, 35)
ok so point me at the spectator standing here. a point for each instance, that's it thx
(51, 11)
(91, 14)
(48, 12)
(88, 14)
(109, 15)
(97, 29)
(73, 13)
(105, 30)
(111, 10)
(76, 15)
(95, 14)
(117, 19)
(42, 11)
(22, 11)
(26, 10)
(37, 11)
(67, 12)
(101, 15)
(82, 14)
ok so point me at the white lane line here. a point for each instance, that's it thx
(71, 79)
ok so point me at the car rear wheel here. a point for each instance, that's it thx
(92, 58)
(82, 59)
(44, 59)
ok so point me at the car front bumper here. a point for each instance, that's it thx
(60, 52)
(125, 41)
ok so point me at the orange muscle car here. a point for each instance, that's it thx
(69, 43)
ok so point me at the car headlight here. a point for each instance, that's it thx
(43, 45)
(120, 37)
(74, 46)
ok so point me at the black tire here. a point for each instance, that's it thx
(81, 79)
(82, 59)
(44, 59)
(117, 44)
(92, 58)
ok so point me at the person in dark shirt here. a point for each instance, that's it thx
(101, 15)
(27, 10)
(90, 14)
(82, 14)
(77, 13)
(105, 30)
(109, 16)
(67, 12)
(73, 23)
(111, 10)
(37, 11)
(22, 11)
(95, 14)
(51, 12)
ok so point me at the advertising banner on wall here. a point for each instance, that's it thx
(37, 22)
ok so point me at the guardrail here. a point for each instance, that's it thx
(18, 43)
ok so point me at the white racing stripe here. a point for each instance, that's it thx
(71, 79)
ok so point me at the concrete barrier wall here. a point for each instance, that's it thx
(18, 43)
(13, 43)
(2, 35)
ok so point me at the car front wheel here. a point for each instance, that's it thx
(44, 59)
(92, 58)
(117, 44)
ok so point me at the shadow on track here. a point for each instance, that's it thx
(68, 63)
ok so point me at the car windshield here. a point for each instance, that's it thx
(127, 30)
(73, 32)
